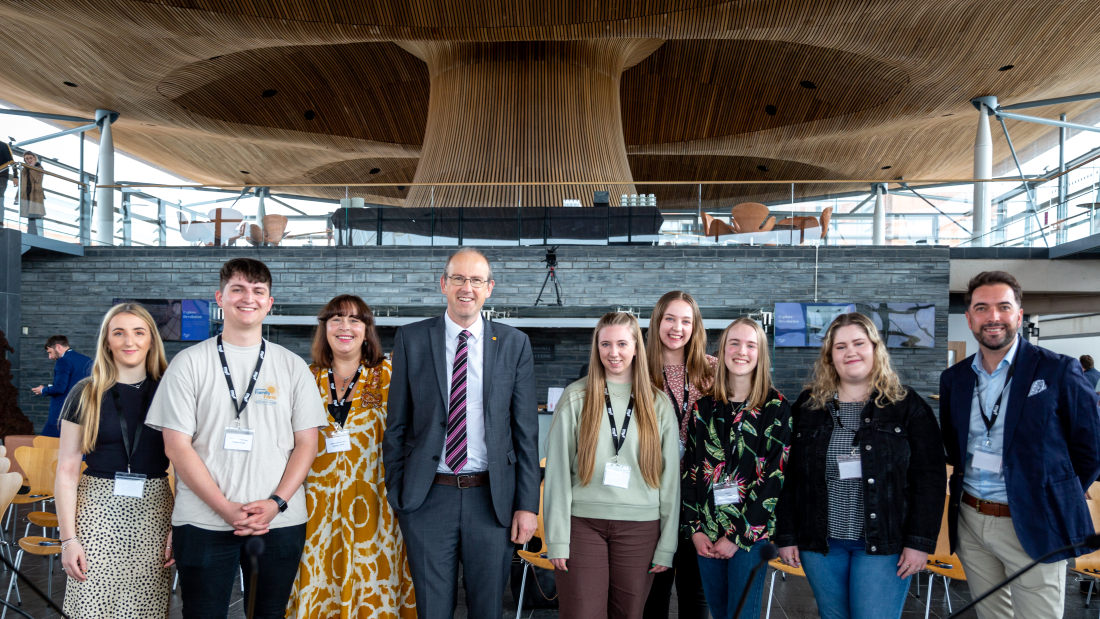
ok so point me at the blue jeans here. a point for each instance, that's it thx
(724, 581)
(848, 583)
(208, 561)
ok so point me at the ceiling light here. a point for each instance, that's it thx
(271, 92)
(213, 57)
(244, 172)
(762, 168)
(1007, 67)
(375, 170)
(807, 84)
(70, 84)
(770, 110)
(401, 188)
(887, 167)
(310, 114)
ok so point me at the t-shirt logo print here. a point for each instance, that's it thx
(267, 394)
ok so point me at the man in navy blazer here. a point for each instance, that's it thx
(71, 368)
(1022, 429)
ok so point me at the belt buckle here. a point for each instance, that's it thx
(458, 480)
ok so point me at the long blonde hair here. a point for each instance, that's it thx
(761, 375)
(105, 374)
(650, 462)
(695, 357)
(884, 379)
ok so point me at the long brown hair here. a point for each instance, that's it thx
(650, 462)
(346, 305)
(761, 375)
(105, 374)
(884, 379)
(695, 357)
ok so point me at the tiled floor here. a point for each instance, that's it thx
(793, 599)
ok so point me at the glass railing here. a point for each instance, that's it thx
(698, 214)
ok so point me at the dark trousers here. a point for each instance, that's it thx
(208, 562)
(690, 600)
(608, 568)
(457, 525)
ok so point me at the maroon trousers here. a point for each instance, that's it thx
(609, 563)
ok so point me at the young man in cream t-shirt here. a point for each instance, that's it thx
(241, 449)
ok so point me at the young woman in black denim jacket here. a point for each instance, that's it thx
(863, 499)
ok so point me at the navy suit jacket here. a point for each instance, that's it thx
(70, 369)
(1051, 447)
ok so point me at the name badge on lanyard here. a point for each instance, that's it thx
(130, 484)
(337, 441)
(727, 493)
(238, 438)
(614, 474)
(986, 458)
(850, 466)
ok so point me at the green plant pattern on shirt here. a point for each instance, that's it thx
(760, 451)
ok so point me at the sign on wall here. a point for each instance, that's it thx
(902, 325)
(804, 324)
(178, 320)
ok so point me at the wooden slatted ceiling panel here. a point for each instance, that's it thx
(120, 52)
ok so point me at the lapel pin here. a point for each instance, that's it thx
(494, 339)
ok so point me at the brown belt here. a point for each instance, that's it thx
(463, 481)
(987, 508)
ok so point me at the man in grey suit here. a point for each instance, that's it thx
(461, 445)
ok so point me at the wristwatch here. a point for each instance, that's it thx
(278, 501)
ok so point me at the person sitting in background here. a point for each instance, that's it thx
(735, 458)
(70, 368)
(115, 520)
(351, 567)
(612, 493)
(1092, 375)
(863, 500)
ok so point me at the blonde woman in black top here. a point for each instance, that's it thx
(115, 519)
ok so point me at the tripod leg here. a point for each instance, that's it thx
(549, 274)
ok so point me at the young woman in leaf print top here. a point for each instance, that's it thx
(735, 457)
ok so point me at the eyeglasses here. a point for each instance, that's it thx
(475, 282)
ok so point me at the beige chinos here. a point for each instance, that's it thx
(990, 552)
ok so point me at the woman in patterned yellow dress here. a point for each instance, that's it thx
(354, 563)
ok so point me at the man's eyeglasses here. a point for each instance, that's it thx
(459, 281)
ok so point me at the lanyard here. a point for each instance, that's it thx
(992, 419)
(726, 438)
(679, 411)
(834, 408)
(339, 411)
(229, 378)
(146, 399)
(617, 438)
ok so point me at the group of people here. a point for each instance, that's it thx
(664, 466)
(32, 195)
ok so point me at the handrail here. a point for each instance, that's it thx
(45, 171)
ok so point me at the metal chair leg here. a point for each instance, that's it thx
(927, 605)
(1088, 598)
(49, 580)
(771, 595)
(947, 592)
(12, 583)
(522, 587)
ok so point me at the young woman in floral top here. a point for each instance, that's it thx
(676, 347)
(735, 457)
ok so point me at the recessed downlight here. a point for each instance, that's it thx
(1007, 67)
(70, 84)
(762, 168)
(375, 170)
(244, 171)
(310, 114)
(270, 92)
(887, 167)
(401, 188)
(770, 110)
(807, 84)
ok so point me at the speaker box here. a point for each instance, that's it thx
(601, 198)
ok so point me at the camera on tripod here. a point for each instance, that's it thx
(551, 258)
(551, 261)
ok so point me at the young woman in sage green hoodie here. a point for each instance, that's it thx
(612, 493)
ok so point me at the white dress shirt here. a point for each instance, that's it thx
(477, 456)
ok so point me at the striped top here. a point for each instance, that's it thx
(845, 495)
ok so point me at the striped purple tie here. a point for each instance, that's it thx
(456, 416)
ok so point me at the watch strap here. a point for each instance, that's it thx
(279, 501)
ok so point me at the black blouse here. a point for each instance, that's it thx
(109, 456)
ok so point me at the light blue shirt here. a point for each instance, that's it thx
(988, 485)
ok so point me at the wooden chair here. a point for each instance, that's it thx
(35, 545)
(942, 563)
(537, 558)
(1089, 565)
(9, 486)
(715, 227)
(3, 451)
(780, 567)
(5, 466)
(38, 464)
(826, 215)
(751, 217)
(226, 223)
(47, 442)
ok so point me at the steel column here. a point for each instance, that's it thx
(983, 169)
(879, 220)
(1062, 210)
(105, 197)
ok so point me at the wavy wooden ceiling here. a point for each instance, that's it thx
(893, 80)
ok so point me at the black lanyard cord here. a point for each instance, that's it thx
(339, 412)
(618, 438)
(991, 419)
(229, 377)
(726, 437)
(146, 400)
(680, 411)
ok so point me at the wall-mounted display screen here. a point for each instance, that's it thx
(803, 324)
(906, 325)
(902, 325)
(178, 320)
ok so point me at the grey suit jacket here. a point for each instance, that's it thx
(416, 417)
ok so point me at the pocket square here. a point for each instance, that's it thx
(1038, 386)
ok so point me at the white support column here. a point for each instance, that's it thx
(983, 168)
(105, 198)
(879, 220)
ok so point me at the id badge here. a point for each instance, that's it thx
(337, 442)
(238, 439)
(683, 450)
(616, 475)
(129, 484)
(986, 460)
(850, 466)
(727, 493)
